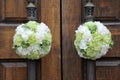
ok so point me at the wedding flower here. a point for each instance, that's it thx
(93, 40)
(32, 40)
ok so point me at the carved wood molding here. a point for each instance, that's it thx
(108, 63)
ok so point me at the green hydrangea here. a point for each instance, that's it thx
(92, 40)
(32, 25)
(32, 40)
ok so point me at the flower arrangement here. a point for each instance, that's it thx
(32, 40)
(93, 40)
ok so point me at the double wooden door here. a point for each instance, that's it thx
(63, 17)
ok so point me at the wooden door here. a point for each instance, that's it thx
(63, 17)
(13, 13)
(106, 11)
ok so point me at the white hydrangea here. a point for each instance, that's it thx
(87, 37)
(93, 40)
(32, 40)
(25, 33)
(102, 29)
(104, 50)
(42, 29)
(23, 51)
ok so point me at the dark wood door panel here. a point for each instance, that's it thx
(108, 73)
(107, 10)
(6, 42)
(108, 70)
(13, 71)
(13, 10)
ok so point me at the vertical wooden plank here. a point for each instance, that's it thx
(51, 64)
(71, 18)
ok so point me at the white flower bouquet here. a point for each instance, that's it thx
(93, 40)
(32, 40)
